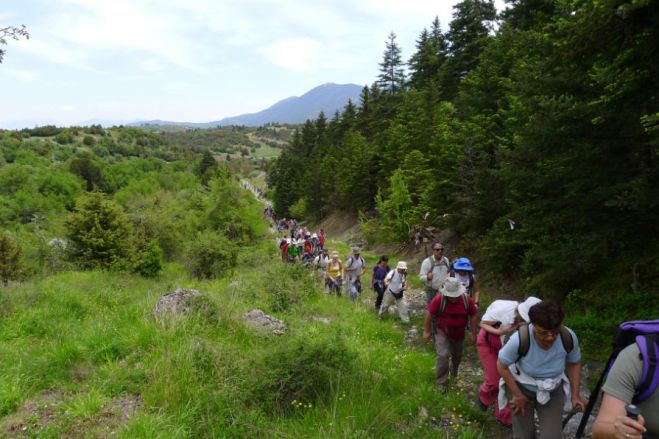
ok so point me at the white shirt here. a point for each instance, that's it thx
(501, 311)
(395, 280)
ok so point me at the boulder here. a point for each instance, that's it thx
(183, 302)
(262, 322)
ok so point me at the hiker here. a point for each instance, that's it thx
(395, 283)
(333, 277)
(449, 311)
(462, 270)
(533, 367)
(284, 250)
(292, 251)
(380, 271)
(501, 319)
(621, 388)
(353, 271)
(321, 238)
(307, 248)
(320, 264)
(434, 269)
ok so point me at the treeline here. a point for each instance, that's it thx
(119, 199)
(537, 143)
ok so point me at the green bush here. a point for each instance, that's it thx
(211, 256)
(301, 370)
(89, 140)
(150, 264)
(99, 233)
(10, 260)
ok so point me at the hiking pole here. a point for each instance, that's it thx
(592, 399)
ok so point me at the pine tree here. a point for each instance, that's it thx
(392, 74)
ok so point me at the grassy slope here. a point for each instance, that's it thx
(84, 354)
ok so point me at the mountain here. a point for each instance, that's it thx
(327, 98)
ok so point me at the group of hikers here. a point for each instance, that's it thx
(531, 362)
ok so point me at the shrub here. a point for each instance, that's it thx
(99, 233)
(89, 140)
(301, 370)
(211, 256)
(10, 260)
(150, 264)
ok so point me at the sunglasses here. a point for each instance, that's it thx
(438, 249)
(546, 333)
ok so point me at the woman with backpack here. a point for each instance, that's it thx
(463, 271)
(333, 272)
(380, 271)
(501, 319)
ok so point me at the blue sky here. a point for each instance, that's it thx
(192, 60)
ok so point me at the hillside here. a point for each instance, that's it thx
(87, 356)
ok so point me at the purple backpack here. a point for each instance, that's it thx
(646, 335)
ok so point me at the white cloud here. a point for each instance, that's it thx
(298, 54)
(67, 108)
(23, 75)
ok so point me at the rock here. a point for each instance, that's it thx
(423, 414)
(412, 337)
(259, 320)
(570, 429)
(323, 320)
(416, 302)
(183, 302)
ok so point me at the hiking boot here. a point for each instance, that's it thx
(481, 405)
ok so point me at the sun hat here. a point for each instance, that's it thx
(524, 307)
(356, 250)
(335, 254)
(452, 288)
(314, 236)
(402, 265)
(463, 264)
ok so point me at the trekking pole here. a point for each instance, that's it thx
(594, 395)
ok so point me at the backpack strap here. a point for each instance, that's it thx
(650, 377)
(442, 305)
(566, 339)
(524, 340)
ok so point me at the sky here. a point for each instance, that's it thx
(192, 60)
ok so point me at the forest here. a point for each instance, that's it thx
(532, 134)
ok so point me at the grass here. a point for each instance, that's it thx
(87, 341)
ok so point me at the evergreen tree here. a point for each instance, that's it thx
(468, 35)
(391, 79)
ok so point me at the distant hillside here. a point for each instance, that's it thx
(328, 98)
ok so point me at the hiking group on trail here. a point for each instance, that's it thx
(531, 362)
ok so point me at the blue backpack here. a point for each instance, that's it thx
(646, 335)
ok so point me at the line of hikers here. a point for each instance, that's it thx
(531, 362)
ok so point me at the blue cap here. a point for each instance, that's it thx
(463, 264)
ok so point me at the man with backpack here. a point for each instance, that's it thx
(395, 283)
(633, 379)
(450, 311)
(434, 269)
(541, 368)
(353, 271)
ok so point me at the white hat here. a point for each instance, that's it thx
(402, 265)
(314, 236)
(524, 307)
(452, 287)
